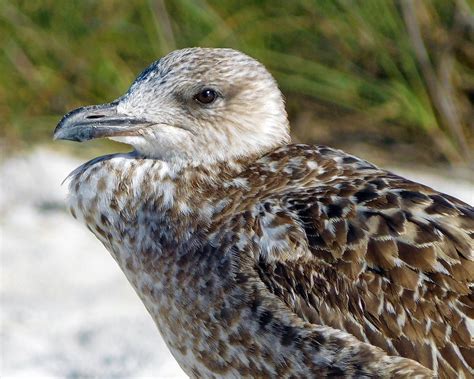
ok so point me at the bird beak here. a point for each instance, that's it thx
(97, 121)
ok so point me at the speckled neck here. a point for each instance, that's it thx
(176, 193)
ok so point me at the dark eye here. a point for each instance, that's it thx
(206, 96)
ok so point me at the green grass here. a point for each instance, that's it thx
(347, 58)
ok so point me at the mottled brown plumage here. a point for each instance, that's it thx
(271, 259)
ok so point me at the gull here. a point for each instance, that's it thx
(256, 257)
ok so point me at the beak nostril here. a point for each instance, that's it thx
(93, 116)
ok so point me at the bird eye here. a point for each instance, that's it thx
(206, 96)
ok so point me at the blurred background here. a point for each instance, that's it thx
(391, 81)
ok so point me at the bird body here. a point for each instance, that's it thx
(256, 257)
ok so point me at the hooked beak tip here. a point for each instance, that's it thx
(97, 121)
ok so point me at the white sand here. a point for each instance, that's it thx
(66, 308)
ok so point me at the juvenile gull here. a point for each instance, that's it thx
(257, 257)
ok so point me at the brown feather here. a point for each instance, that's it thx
(422, 258)
(405, 277)
(382, 254)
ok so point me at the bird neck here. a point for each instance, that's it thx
(118, 192)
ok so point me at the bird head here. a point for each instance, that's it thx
(199, 104)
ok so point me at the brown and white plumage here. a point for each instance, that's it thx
(259, 258)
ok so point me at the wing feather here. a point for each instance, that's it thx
(363, 250)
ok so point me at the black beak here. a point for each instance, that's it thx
(97, 121)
